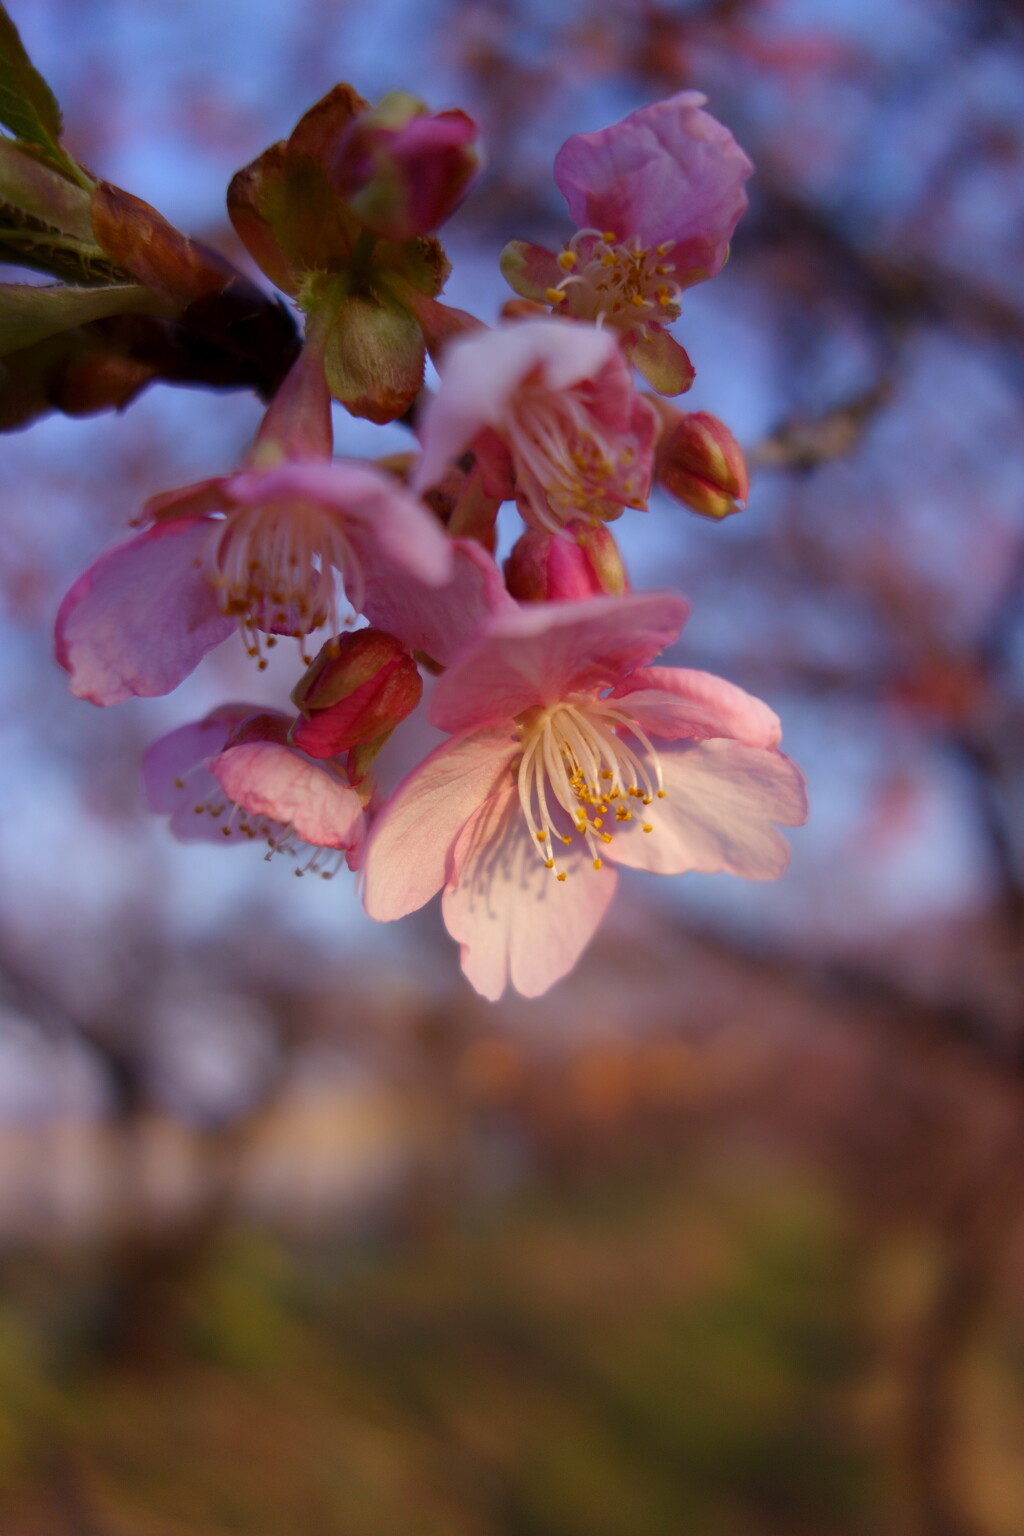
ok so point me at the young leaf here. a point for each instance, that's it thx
(27, 105)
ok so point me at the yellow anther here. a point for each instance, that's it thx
(560, 876)
(606, 773)
(542, 837)
(646, 826)
(566, 839)
(606, 837)
(598, 822)
(554, 296)
(549, 863)
(598, 863)
(609, 237)
(661, 794)
(639, 300)
(568, 260)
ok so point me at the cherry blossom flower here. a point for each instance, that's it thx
(551, 778)
(550, 411)
(233, 777)
(657, 197)
(264, 550)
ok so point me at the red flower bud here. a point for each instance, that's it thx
(700, 463)
(403, 170)
(581, 561)
(356, 691)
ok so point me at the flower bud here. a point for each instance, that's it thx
(700, 463)
(581, 561)
(403, 170)
(357, 690)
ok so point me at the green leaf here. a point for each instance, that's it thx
(27, 105)
(30, 314)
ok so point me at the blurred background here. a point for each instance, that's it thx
(724, 1235)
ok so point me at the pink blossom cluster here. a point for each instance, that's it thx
(569, 752)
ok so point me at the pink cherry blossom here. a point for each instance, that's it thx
(551, 779)
(657, 197)
(550, 410)
(265, 549)
(233, 777)
(668, 175)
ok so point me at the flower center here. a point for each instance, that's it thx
(575, 761)
(627, 286)
(277, 566)
(566, 464)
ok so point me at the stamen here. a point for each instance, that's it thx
(278, 567)
(607, 279)
(573, 752)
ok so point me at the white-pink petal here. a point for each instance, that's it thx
(480, 375)
(142, 617)
(408, 854)
(267, 779)
(515, 922)
(678, 702)
(721, 800)
(546, 651)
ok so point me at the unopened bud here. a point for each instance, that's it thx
(403, 169)
(582, 560)
(700, 463)
(357, 690)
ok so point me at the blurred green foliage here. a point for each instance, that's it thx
(619, 1357)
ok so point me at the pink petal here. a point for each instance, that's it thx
(381, 517)
(721, 799)
(669, 172)
(543, 652)
(174, 776)
(480, 375)
(271, 780)
(676, 702)
(408, 854)
(513, 919)
(142, 617)
(438, 621)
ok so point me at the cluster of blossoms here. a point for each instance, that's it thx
(569, 752)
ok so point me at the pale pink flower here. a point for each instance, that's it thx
(552, 778)
(551, 413)
(283, 550)
(657, 197)
(233, 777)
